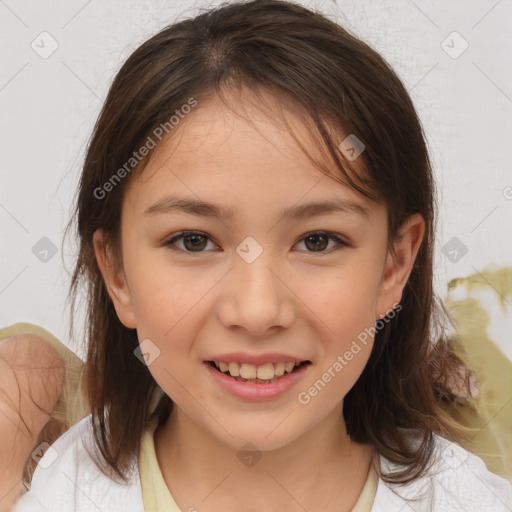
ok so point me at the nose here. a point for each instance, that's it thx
(256, 297)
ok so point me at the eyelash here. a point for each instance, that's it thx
(341, 243)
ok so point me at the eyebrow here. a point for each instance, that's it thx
(172, 204)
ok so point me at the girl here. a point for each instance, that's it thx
(256, 217)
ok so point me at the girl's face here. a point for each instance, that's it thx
(251, 282)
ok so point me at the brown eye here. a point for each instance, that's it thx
(192, 242)
(319, 241)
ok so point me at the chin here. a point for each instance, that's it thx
(262, 437)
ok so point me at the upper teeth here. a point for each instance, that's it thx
(250, 371)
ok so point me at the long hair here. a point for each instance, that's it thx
(339, 86)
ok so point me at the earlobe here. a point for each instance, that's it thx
(115, 280)
(399, 266)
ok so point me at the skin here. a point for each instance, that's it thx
(32, 378)
(291, 299)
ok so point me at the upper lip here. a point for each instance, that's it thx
(258, 360)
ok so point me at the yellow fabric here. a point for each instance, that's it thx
(155, 494)
(367, 496)
(157, 497)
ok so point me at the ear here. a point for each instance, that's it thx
(115, 280)
(399, 267)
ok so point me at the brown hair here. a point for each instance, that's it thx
(341, 86)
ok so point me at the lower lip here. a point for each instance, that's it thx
(257, 391)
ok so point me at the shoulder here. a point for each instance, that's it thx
(67, 479)
(456, 481)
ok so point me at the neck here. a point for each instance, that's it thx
(323, 469)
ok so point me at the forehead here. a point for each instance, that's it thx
(248, 124)
(247, 157)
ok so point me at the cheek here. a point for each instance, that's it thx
(344, 329)
(162, 295)
(345, 301)
(344, 306)
(348, 341)
(165, 304)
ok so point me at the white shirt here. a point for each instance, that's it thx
(68, 480)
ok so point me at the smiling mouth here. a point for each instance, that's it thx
(256, 380)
